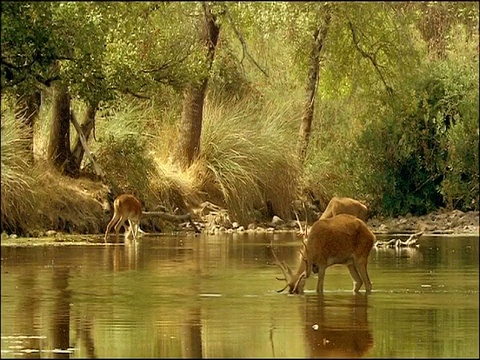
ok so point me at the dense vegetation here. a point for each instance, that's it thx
(249, 105)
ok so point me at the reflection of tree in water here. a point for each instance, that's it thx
(84, 325)
(61, 312)
(28, 307)
(192, 328)
(192, 334)
(337, 329)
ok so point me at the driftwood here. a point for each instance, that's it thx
(172, 218)
(412, 241)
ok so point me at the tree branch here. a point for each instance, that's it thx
(242, 41)
(369, 57)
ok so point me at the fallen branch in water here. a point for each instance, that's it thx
(412, 241)
(172, 218)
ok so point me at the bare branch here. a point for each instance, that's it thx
(138, 96)
(242, 41)
(370, 57)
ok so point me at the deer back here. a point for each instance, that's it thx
(336, 240)
(345, 205)
(128, 206)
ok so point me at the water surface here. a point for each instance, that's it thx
(215, 296)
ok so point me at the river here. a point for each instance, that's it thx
(214, 296)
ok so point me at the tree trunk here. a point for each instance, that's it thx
(194, 97)
(86, 128)
(27, 109)
(319, 37)
(59, 147)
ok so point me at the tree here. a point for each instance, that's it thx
(59, 145)
(194, 93)
(318, 40)
(26, 58)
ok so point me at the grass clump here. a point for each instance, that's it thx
(17, 178)
(248, 158)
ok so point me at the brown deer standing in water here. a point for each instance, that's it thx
(126, 207)
(342, 239)
(345, 205)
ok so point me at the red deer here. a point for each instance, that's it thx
(345, 205)
(126, 207)
(343, 239)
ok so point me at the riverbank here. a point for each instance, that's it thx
(440, 222)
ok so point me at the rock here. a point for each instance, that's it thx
(276, 221)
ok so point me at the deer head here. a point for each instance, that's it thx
(343, 239)
(295, 281)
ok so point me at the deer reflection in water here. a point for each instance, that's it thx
(122, 257)
(336, 328)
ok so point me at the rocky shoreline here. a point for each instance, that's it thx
(439, 222)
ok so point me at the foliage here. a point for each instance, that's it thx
(27, 51)
(122, 151)
(394, 125)
(460, 188)
(417, 151)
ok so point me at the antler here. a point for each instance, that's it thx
(287, 272)
(304, 233)
(299, 223)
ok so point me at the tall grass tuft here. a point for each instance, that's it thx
(248, 157)
(17, 178)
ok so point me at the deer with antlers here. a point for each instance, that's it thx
(343, 239)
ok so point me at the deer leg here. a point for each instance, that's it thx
(362, 270)
(120, 223)
(321, 277)
(112, 222)
(134, 228)
(357, 279)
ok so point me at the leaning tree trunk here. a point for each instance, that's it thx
(87, 126)
(319, 37)
(59, 146)
(27, 109)
(194, 97)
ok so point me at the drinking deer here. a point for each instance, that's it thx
(126, 207)
(345, 205)
(343, 239)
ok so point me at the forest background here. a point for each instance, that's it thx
(255, 107)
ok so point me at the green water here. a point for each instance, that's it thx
(215, 296)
